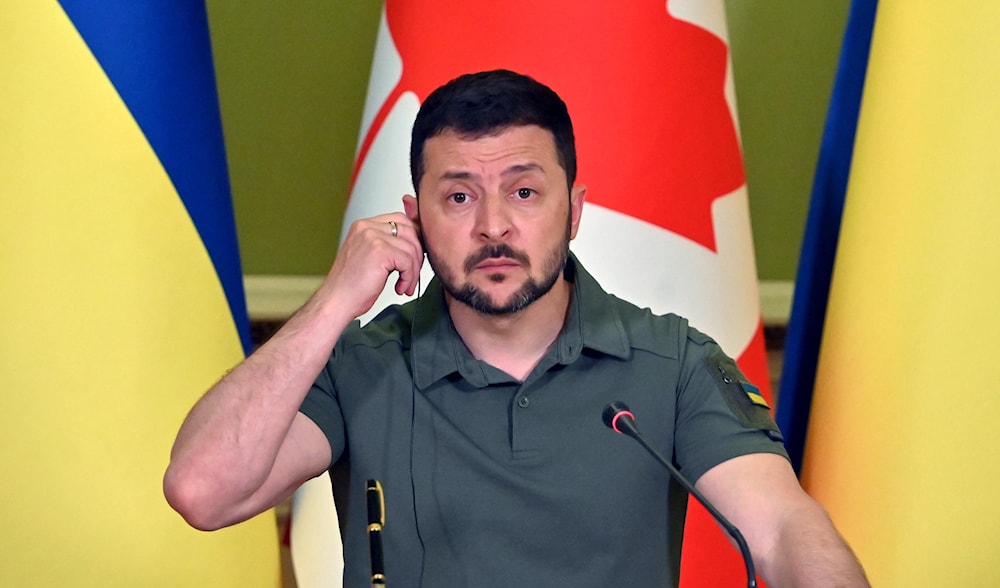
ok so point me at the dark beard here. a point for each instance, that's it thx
(529, 292)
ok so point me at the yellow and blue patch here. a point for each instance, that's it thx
(753, 393)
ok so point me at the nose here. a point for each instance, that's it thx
(493, 221)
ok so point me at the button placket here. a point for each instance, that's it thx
(521, 419)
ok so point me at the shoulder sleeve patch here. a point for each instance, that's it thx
(743, 398)
(753, 393)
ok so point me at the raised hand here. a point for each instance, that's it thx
(373, 249)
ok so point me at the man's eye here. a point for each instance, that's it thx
(524, 193)
(459, 197)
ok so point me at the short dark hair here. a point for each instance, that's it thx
(480, 104)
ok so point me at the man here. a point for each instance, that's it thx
(478, 405)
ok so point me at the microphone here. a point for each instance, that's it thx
(620, 419)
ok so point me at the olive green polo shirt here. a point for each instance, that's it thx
(490, 481)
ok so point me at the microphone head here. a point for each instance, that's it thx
(612, 411)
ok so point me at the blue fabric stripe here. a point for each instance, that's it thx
(819, 247)
(158, 55)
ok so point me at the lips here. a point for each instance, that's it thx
(497, 263)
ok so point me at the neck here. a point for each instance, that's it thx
(516, 342)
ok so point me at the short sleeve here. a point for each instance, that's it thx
(323, 408)
(720, 414)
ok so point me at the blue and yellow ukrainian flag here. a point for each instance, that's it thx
(902, 447)
(120, 295)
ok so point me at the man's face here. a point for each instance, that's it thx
(496, 217)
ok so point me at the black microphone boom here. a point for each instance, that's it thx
(619, 418)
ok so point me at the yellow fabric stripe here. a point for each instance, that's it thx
(758, 400)
(113, 323)
(902, 444)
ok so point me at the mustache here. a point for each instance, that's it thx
(495, 251)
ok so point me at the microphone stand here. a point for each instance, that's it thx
(619, 418)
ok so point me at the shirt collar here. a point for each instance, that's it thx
(591, 322)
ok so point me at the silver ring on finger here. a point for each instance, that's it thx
(393, 229)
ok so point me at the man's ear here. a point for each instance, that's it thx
(576, 197)
(411, 209)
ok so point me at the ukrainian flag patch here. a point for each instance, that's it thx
(753, 393)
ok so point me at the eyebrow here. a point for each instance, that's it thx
(512, 170)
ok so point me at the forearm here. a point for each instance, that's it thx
(241, 448)
(809, 552)
(793, 541)
(227, 446)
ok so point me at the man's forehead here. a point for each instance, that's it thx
(527, 140)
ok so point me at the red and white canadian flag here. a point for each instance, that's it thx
(666, 225)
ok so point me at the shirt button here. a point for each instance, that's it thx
(523, 402)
